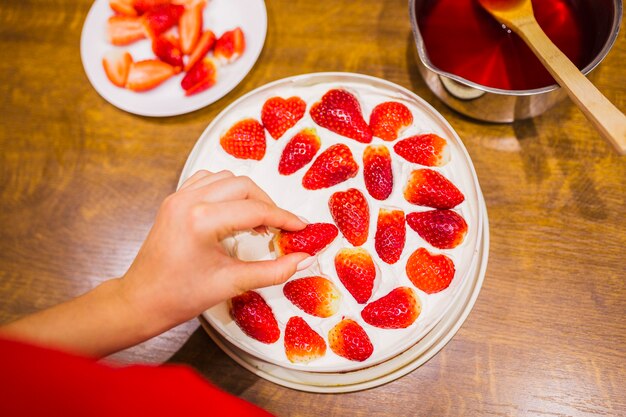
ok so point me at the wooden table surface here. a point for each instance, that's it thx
(80, 182)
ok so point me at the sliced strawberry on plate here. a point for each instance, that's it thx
(143, 6)
(161, 18)
(396, 310)
(339, 111)
(124, 7)
(254, 317)
(312, 239)
(230, 45)
(429, 188)
(204, 45)
(357, 272)
(279, 114)
(200, 77)
(145, 75)
(116, 65)
(124, 30)
(351, 214)
(390, 235)
(377, 172)
(428, 149)
(333, 166)
(168, 52)
(190, 27)
(348, 339)
(190, 3)
(302, 344)
(245, 140)
(299, 151)
(428, 272)
(389, 119)
(316, 295)
(444, 229)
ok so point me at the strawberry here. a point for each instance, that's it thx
(430, 273)
(316, 296)
(396, 310)
(312, 239)
(389, 119)
(124, 7)
(351, 214)
(204, 45)
(333, 166)
(142, 6)
(357, 272)
(302, 344)
(116, 66)
(254, 317)
(339, 111)
(348, 339)
(390, 235)
(166, 51)
(429, 188)
(244, 140)
(377, 172)
(162, 17)
(278, 114)
(200, 77)
(428, 149)
(444, 229)
(145, 75)
(123, 30)
(230, 45)
(299, 151)
(190, 28)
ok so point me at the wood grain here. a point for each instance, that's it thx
(80, 182)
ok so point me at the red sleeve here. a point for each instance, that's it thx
(42, 382)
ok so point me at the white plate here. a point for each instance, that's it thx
(168, 99)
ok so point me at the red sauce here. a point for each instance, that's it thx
(463, 39)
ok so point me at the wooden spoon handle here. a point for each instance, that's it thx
(608, 120)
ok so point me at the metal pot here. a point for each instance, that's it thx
(504, 106)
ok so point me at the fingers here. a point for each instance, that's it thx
(231, 188)
(250, 275)
(203, 178)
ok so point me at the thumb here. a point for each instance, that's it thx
(258, 274)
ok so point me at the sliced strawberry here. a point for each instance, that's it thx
(429, 188)
(143, 6)
(428, 149)
(190, 3)
(245, 140)
(312, 239)
(339, 111)
(348, 339)
(145, 75)
(230, 45)
(444, 229)
(333, 166)
(389, 119)
(116, 65)
(190, 28)
(278, 114)
(357, 272)
(396, 310)
(124, 7)
(377, 172)
(302, 344)
(430, 273)
(204, 45)
(316, 296)
(390, 235)
(161, 18)
(200, 77)
(124, 30)
(254, 317)
(166, 51)
(351, 214)
(299, 151)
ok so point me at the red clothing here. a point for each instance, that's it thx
(36, 381)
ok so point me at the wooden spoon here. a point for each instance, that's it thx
(606, 118)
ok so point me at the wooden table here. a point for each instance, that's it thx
(80, 182)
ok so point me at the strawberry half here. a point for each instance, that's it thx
(230, 45)
(339, 111)
(396, 310)
(429, 188)
(389, 119)
(190, 28)
(428, 149)
(278, 114)
(123, 30)
(142, 6)
(444, 229)
(333, 166)
(145, 75)
(302, 344)
(162, 17)
(316, 296)
(390, 235)
(124, 7)
(299, 151)
(245, 140)
(377, 172)
(116, 65)
(254, 317)
(351, 214)
(430, 273)
(312, 239)
(200, 77)
(203, 46)
(168, 52)
(357, 272)
(348, 339)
